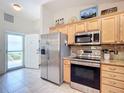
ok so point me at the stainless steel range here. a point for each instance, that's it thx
(85, 71)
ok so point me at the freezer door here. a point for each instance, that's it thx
(54, 58)
(44, 56)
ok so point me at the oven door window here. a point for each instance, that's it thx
(83, 38)
(89, 76)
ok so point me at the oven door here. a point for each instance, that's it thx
(85, 75)
(84, 38)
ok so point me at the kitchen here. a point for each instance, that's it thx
(81, 48)
(96, 46)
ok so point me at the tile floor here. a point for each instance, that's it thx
(29, 81)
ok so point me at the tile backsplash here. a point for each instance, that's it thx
(118, 48)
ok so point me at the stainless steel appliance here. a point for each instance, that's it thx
(53, 49)
(85, 71)
(88, 38)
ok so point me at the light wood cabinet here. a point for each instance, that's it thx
(113, 69)
(90, 25)
(122, 28)
(110, 89)
(112, 79)
(80, 27)
(54, 29)
(71, 33)
(93, 25)
(109, 29)
(67, 71)
(112, 75)
(63, 29)
(112, 82)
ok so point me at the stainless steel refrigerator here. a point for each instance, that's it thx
(53, 49)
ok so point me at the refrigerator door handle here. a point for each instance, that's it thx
(47, 53)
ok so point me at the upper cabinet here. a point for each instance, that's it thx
(93, 25)
(71, 33)
(90, 25)
(63, 29)
(80, 27)
(122, 28)
(54, 29)
(109, 29)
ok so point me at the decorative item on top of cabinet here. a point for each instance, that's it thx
(59, 21)
(71, 33)
(122, 28)
(112, 79)
(67, 70)
(89, 12)
(110, 29)
(93, 25)
(108, 11)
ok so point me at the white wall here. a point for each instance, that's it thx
(47, 19)
(75, 11)
(21, 25)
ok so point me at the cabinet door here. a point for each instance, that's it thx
(71, 33)
(109, 29)
(93, 25)
(122, 27)
(63, 29)
(80, 27)
(67, 71)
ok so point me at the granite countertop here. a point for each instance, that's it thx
(107, 62)
(113, 62)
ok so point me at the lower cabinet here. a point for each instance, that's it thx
(67, 71)
(112, 79)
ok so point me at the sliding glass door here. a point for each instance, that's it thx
(15, 51)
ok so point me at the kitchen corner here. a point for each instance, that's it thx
(107, 73)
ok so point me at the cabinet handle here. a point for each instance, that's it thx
(113, 83)
(121, 41)
(112, 68)
(113, 75)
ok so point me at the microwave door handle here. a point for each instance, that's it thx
(92, 38)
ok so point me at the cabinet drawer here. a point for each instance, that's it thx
(112, 82)
(110, 89)
(111, 75)
(113, 68)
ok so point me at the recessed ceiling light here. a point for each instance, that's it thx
(17, 7)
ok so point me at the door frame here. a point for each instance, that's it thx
(6, 49)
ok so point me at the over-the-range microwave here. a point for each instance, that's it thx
(88, 38)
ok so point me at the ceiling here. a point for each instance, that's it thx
(31, 8)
